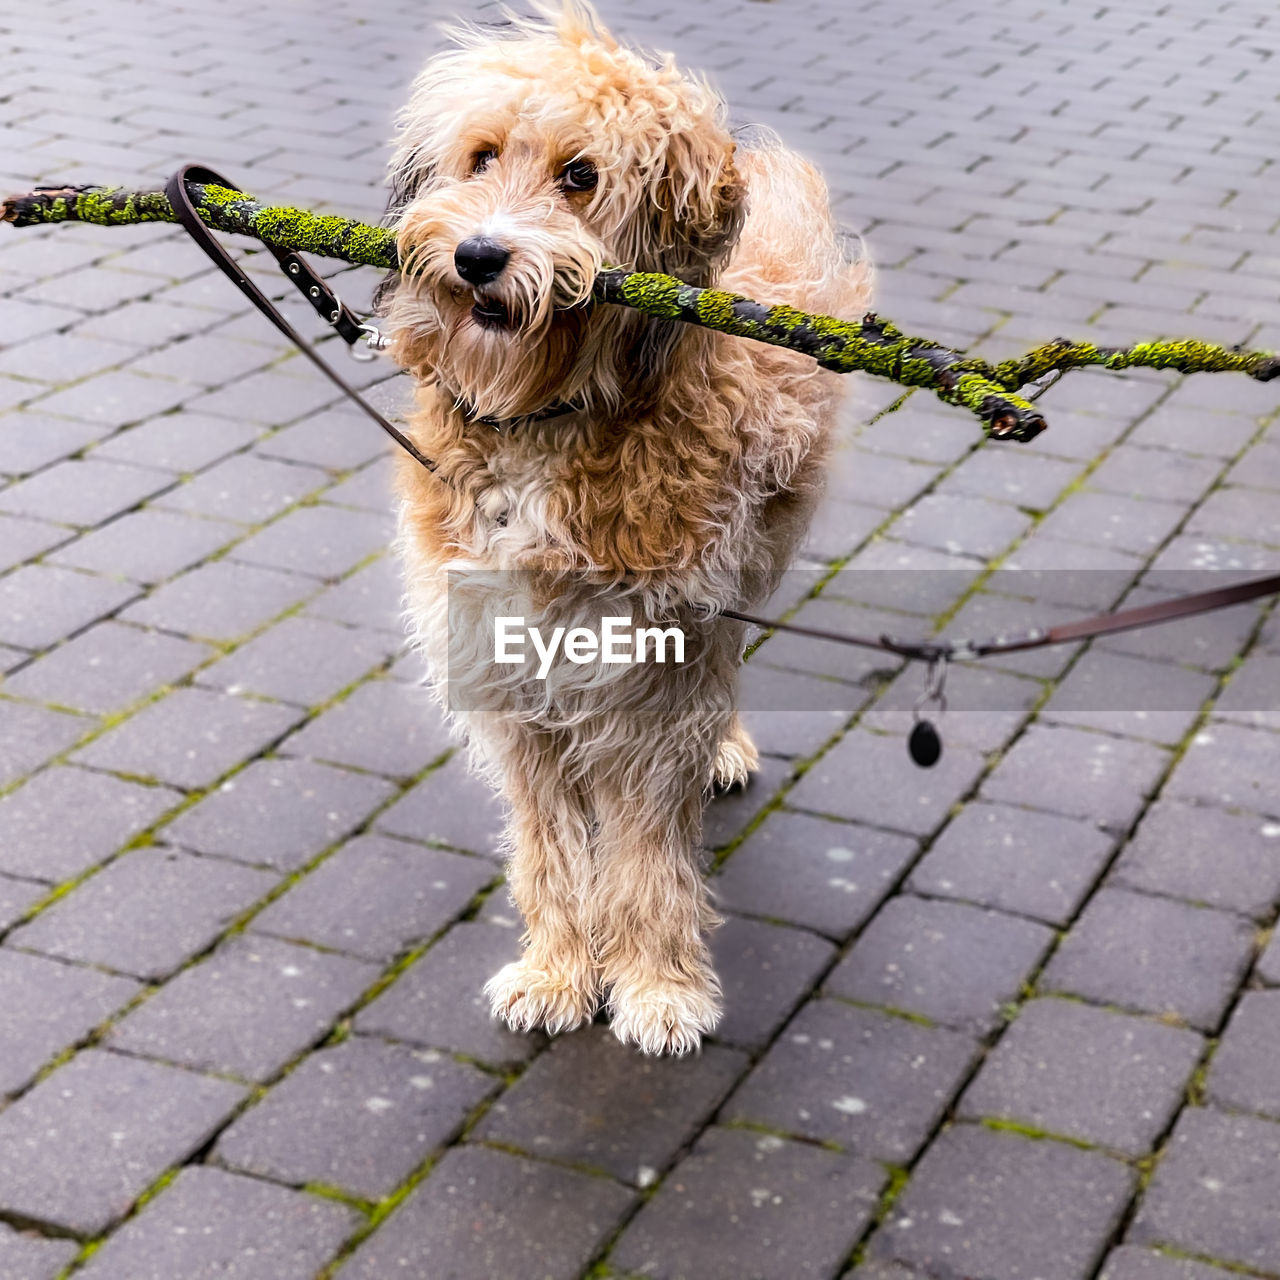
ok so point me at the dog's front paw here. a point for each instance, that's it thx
(526, 997)
(665, 1017)
(736, 760)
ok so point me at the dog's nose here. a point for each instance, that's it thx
(479, 259)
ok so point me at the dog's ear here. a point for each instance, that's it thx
(700, 205)
(410, 175)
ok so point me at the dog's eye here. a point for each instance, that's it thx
(578, 175)
(480, 161)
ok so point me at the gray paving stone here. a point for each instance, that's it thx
(210, 1224)
(220, 601)
(1232, 766)
(947, 961)
(279, 813)
(901, 576)
(369, 487)
(321, 541)
(1234, 512)
(28, 1256)
(31, 735)
(147, 546)
(1206, 856)
(1210, 641)
(594, 1102)
(17, 897)
(960, 524)
(1214, 1189)
(749, 1204)
(78, 1149)
(146, 913)
(1242, 1076)
(838, 527)
(996, 472)
(270, 397)
(41, 604)
(873, 1083)
(335, 438)
(765, 971)
(107, 668)
(1155, 473)
(1131, 1263)
(485, 1213)
(858, 475)
(791, 733)
(361, 1116)
(1033, 864)
(1154, 956)
(190, 738)
(1002, 1206)
(1085, 1073)
(376, 898)
(1083, 577)
(82, 491)
(300, 660)
(246, 489)
(382, 727)
(30, 440)
(985, 615)
(22, 539)
(820, 657)
(1252, 697)
(449, 806)
(45, 1007)
(369, 598)
(1129, 696)
(728, 813)
(246, 1010)
(179, 442)
(1092, 776)
(439, 1000)
(1193, 429)
(889, 791)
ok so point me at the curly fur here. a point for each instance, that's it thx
(680, 484)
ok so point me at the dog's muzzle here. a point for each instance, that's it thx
(479, 260)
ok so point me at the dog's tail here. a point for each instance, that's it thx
(790, 249)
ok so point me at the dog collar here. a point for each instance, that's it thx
(556, 409)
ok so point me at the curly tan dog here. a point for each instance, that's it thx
(639, 468)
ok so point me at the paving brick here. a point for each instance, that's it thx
(116, 398)
(1252, 697)
(838, 527)
(382, 727)
(995, 472)
(1268, 967)
(336, 438)
(1086, 1073)
(751, 1204)
(449, 806)
(369, 598)
(376, 898)
(147, 546)
(910, 579)
(858, 666)
(269, 397)
(17, 897)
(1002, 1206)
(1065, 573)
(439, 1000)
(1127, 524)
(1233, 512)
(70, 358)
(369, 487)
(31, 735)
(920, 432)
(890, 791)
(179, 442)
(82, 491)
(985, 615)
(594, 1102)
(41, 604)
(1206, 856)
(361, 1116)
(947, 961)
(146, 913)
(728, 813)
(960, 525)
(1195, 430)
(1101, 778)
(279, 813)
(1242, 1075)
(22, 539)
(485, 1213)
(322, 541)
(1154, 956)
(246, 1010)
(246, 489)
(45, 1007)
(765, 971)
(190, 738)
(1034, 864)
(211, 1224)
(1126, 695)
(873, 1083)
(107, 668)
(1161, 474)
(857, 475)
(28, 1256)
(1213, 1190)
(220, 601)
(1131, 1263)
(795, 733)
(1231, 766)
(78, 1149)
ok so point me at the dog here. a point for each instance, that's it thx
(593, 462)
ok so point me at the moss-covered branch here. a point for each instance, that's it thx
(869, 345)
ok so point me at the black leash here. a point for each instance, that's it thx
(924, 743)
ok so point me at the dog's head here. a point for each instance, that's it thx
(527, 158)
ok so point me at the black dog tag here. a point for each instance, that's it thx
(924, 745)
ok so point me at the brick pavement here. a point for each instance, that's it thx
(1016, 1017)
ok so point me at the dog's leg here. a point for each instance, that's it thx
(651, 908)
(553, 985)
(736, 758)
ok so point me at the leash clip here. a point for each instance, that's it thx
(375, 341)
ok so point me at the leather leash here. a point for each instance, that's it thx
(924, 743)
